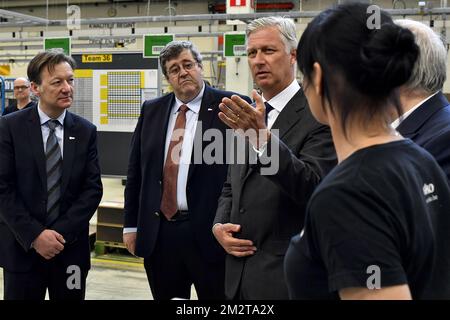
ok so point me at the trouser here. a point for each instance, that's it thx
(176, 264)
(63, 282)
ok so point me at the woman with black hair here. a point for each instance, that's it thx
(375, 225)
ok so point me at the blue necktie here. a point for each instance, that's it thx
(54, 171)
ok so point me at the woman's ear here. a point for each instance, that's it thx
(317, 81)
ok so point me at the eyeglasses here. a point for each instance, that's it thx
(176, 69)
(21, 87)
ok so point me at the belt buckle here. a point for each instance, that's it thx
(179, 216)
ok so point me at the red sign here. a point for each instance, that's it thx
(237, 3)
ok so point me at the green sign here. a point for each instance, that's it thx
(153, 44)
(234, 45)
(61, 43)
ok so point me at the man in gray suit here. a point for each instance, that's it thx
(260, 210)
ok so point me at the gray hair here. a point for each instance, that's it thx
(429, 72)
(173, 49)
(24, 79)
(285, 26)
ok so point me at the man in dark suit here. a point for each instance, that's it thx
(426, 121)
(259, 211)
(22, 93)
(172, 189)
(49, 188)
(426, 111)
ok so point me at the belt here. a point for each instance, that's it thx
(181, 215)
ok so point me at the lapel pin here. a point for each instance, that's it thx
(210, 109)
(71, 138)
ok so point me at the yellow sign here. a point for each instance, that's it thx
(83, 73)
(5, 70)
(89, 58)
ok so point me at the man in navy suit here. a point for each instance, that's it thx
(426, 111)
(171, 194)
(49, 188)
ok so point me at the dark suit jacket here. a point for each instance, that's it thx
(429, 127)
(271, 208)
(143, 190)
(23, 189)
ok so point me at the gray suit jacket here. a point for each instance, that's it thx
(271, 208)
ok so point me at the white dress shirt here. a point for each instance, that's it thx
(188, 142)
(59, 130)
(397, 122)
(278, 103)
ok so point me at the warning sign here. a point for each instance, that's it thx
(237, 3)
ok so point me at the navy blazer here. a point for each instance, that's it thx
(143, 190)
(429, 127)
(23, 189)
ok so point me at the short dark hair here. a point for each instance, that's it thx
(47, 59)
(173, 49)
(362, 67)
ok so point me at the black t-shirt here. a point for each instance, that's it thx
(381, 217)
(14, 108)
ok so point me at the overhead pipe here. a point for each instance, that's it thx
(33, 19)
(217, 17)
(118, 37)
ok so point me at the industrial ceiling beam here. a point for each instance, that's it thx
(213, 17)
(25, 17)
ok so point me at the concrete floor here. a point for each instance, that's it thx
(111, 279)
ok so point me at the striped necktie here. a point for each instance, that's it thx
(54, 171)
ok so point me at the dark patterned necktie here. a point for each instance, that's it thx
(54, 171)
(169, 204)
(268, 109)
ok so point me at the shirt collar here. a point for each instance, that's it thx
(44, 118)
(397, 122)
(281, 99)
(194, 104)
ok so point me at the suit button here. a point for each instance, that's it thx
(160, 182)
(157, 213)
(242, 210)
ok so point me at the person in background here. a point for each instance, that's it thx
(375, 226)
(426, 111)
(22, 93)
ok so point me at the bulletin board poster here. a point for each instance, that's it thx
(110, 89)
